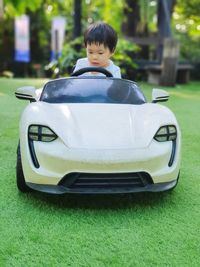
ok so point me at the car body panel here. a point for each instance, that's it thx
(100, 126)
(99, 138)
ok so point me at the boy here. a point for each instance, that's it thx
(100, 41)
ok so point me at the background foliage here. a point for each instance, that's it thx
(185, 26)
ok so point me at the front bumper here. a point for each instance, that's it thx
(57, 161)
(59, 189)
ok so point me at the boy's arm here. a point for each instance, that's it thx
(117, 73)
(80, 63)
(76, 67)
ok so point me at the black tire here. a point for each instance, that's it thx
(21, 184)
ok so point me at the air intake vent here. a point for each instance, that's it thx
(105, 181)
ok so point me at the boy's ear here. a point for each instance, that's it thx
(112, 52)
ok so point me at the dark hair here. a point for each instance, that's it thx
(101, 33)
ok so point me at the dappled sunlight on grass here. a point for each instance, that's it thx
(188, 95)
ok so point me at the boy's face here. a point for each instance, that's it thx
(98, 55)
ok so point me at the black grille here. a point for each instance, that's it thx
(106, 180)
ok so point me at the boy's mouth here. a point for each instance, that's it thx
(95, 63)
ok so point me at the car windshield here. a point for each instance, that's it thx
(92, 90)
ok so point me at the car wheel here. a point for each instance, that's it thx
(21, 184)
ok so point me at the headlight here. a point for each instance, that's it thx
(166, 133)
(41, 133)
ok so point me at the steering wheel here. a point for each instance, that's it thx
(92, 69)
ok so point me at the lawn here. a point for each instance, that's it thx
(146, 229)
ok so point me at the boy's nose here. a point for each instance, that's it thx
(94, 56)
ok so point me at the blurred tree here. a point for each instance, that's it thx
(110, 11)
(18, 7)
(133, 18)
(77, 18)
(189, 8)
(1, 9)
(186, 27)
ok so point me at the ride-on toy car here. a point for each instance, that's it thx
(96, 134)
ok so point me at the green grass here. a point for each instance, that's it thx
(161, 229)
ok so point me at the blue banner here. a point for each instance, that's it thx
(57, 36)
(22, 43)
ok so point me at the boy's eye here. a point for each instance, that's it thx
(100, 53)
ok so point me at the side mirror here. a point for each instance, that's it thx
(27, 93)
(159, 95)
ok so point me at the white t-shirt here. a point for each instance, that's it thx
(84, 63)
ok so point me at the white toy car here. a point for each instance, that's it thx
(94, 134)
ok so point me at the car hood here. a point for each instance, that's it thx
(101, 126)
